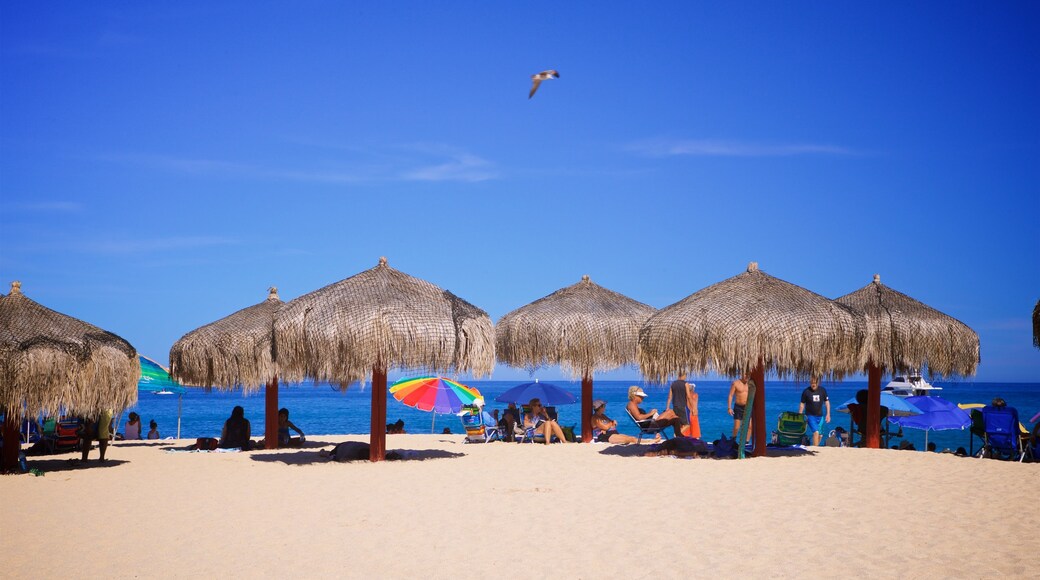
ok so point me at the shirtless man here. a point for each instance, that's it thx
(736, 401)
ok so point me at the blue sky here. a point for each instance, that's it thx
(162, 164)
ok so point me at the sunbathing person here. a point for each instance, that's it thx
(538, 420)
(353, 451)
(604, 429)
(651, 418)
(284, 424)
(236, 431)
(679, 447)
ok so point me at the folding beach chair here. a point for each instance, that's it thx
(645, 428)
(65, 437)
(477, 430)
(1002, 436)
(790, 429)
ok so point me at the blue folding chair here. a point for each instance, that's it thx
(479, 429)
(1001, 437)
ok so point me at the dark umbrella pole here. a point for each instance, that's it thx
(872, 430)
(377, 438)
(271, 414)
(758, 411)
(586, 408)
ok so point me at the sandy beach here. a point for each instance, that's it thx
(573, 511)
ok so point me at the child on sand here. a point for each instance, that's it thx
(153, 430)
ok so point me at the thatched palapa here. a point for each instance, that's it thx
(583, 328)
(377, 320)
(904, 334)
(752, 322)
(50, 362)
(732, 325)
(235, 351)
(381, 317)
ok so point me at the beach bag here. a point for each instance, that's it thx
(568, 433)
(206, 444)
(725, 447)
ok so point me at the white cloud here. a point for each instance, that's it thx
(461, 167)
(418, 163)
(723, 148)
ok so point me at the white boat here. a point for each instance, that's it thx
(909, 386)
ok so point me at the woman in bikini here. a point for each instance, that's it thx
(604, 429)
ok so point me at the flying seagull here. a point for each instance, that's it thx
(542, 76)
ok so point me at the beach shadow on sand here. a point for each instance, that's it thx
(307, 457)
(640, 450)
(57, 465)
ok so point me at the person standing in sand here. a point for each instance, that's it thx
(678, 396)
(814, 398)
(737, 400)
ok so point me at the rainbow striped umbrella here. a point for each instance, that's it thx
(436, 394)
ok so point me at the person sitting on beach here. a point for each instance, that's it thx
(651, 419)
(153, 429)
(236, 431)
(538, 420)
(284, 424)
(510, 417)
(395, 428)
(132, 430)
(604, 429)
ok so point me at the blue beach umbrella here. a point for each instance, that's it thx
(897, 407)
(548, 393)
(938, 415)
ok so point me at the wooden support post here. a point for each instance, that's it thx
(12, 443)
(271, 414)
(586, 408)
(758, 411)
(872, 430)
(377, 440)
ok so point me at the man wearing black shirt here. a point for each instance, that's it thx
(814, 399)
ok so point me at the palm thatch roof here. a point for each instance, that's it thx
(1036, 324)
(235, 351)
(381, 318)
(51, 362)
(904, 334)
(583, 328)
(728, 326)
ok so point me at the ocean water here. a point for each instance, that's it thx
(319, 409)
